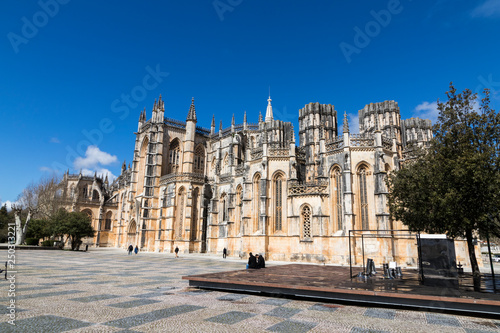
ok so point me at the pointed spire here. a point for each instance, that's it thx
(106, 179)
(95, 175)
(260, 117)
(154, 106)
(212, 126)
(161, 104)
(124, 166)
(220, 126)
(269, 111)
(232, 121)
(346, 123)
(192, 111)
(245, 116)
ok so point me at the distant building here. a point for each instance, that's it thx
(252, 188)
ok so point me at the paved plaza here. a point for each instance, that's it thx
(106, 290)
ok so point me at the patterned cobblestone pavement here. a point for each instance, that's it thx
(106, 290)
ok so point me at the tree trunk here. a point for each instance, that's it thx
(476, 274)
(20, 231)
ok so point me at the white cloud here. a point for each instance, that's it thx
(93, 158)
(8, 204)
(427, 110)
(490, 8)
(352, 120)
(54, 140)
(101, 172)
(47, 169)
(353, 123)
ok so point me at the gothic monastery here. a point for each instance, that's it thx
(254, 187)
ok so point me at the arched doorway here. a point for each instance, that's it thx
(131, 234)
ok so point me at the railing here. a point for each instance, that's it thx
(256, 153)
(336, 143)
(296, 188)
(186, 176)
(361, 140)
(387, 143)
(182, 124)
(279, 152)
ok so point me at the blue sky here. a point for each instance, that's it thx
(76, 74)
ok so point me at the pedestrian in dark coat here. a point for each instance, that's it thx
(176, 252)
(130, 249)
(136, 250)
(224, 253)
(261, 263)
(252, 261)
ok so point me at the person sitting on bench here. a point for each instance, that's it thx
(261, 263)
(252, 261)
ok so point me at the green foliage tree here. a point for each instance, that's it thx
(39, 228)
(6, 217)
(73, 225)
(454, 186)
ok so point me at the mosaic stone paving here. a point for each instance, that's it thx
(105, 290)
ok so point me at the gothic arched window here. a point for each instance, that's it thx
(306, 222)
(174, 156)
(363, 198)
(256, 200)
(107, 224)
(337, 198)
(180, 213)
(278, 187)
(199, 159)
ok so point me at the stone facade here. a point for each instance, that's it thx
(252, 188)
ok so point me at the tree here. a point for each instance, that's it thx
(73, 225)
(38, 200)
(6, 218)
(39, 228)
(454, 186)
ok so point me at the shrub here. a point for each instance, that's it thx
(47, 243)
(31, 241)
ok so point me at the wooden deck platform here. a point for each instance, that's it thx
(333, 284)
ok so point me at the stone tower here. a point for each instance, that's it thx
(416, 131)
(316, 122)
(384, 116)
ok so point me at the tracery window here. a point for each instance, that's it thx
(107, 224)
(336, 183)
(278, 202)
(194, 215)
(225, 164)
(223, 207)
(174, 156)
(306, 222)
(239, 199)
(363, 198)
(180, 213)
(256, 200)
(199, 159)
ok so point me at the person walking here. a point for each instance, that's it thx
(130, 249)
(224, 253)
(136, 250)
(176, 252)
